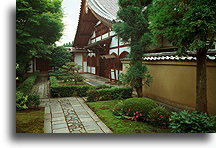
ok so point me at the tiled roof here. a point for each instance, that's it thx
(105, 8)
(171, 56)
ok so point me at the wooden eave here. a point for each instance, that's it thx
(86, 24)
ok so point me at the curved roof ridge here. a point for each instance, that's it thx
(101, 10)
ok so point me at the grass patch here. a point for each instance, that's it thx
(30, 121)
(104, 111)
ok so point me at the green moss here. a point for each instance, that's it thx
(30, 121)
(104, 111)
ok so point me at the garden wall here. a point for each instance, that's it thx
(175, 83)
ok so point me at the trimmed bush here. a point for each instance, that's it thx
(115, 93)
(27, 85)
(92, 95)
(21, 100)
(137, 108)
(103, 86)
(33, 100)
(159, 116)
(67, 90)
(53, 81)
(195, 122)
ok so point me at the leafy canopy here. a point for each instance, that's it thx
(188, 24)
(38, 27)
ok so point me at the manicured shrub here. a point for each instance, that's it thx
(92, 95)
(159, 116)
(27, 85)
(33, 100)
(53, 81)
(195, 122)
(103, 86)
(21, 100)
(69, 90)
(115, 93)
(137, 108)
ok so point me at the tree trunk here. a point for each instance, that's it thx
(139, 88)
(201, 79)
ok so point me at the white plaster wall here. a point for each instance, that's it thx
(113, 51)
(92, 41)
(124, 49)
(85, 67)
(98, 38)
(105, 35)
(88, 69)
(98, 23)
(114, 42)
(112, 33)
(78, 59)
(113, 75)
(93, 70)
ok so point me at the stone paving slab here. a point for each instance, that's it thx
(66, 115)
(71, 115)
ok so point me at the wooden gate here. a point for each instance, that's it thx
(43, 64)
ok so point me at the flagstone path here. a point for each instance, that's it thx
(67, 115)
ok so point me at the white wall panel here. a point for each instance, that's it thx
(85, 67)
(113, 51)
(93, 70)
(114, 42)
(124, 49)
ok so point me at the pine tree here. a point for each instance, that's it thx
(133, 28)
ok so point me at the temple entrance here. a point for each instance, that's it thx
(43, 64)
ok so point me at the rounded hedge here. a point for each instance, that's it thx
(159, 116)
(137, 108)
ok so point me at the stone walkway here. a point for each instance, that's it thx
(96, 80)
(71, 115)
(67, 115)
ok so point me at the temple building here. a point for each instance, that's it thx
(96, 46)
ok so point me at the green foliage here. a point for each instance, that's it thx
(71, 69)
(136, 108)
(186, 24)
(21, 101)
(137, 71)
(38, 27)
(103, 109)
(60, 56)
(68, 44)
(104, 92)
(57, 90)
(114, 93)
(159, 116)
(27, 85)
(33, 101)
(103, 86)
(53, 81)
(92, 95)
(69, 90)
(133, 28)
(195, 122)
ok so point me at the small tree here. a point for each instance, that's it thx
(133, 28)
(72, 69)
(190, 25)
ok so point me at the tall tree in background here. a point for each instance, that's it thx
(38, 27)
(191, 26)
(59, 56)
(133, 28)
